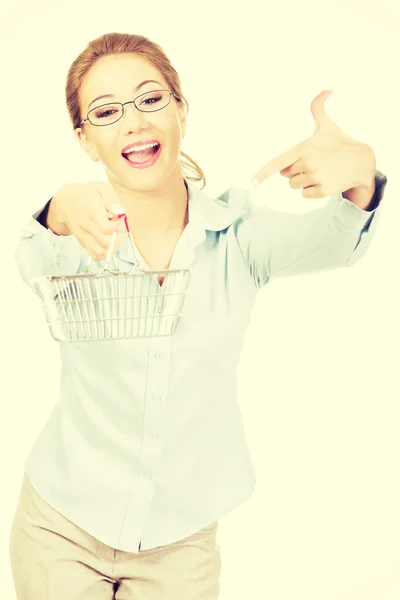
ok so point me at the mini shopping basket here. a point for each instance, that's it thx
(111, 304)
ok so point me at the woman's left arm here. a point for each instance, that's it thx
(276, 244)
(329, 163)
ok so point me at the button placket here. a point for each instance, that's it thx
(158, 372)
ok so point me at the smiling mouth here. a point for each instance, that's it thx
(141, 156)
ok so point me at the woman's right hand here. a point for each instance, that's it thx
(88, 211)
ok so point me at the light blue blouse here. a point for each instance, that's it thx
(145, 444)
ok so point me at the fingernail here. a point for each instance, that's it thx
(253, 184)
(117, 209)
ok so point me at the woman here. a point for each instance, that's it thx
(145, 449)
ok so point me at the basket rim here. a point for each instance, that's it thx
(107, 273)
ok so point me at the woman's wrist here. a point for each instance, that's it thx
(53, 220)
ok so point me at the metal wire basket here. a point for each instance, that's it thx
(111, 304)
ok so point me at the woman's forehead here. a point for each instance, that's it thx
(117, 74)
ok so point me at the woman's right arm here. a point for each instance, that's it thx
(77, 224)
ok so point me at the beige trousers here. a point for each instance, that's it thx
(54, 559)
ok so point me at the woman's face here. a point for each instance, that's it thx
(120, 75)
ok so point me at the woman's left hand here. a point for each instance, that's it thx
(327, 163)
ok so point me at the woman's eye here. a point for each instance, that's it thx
(105, 113)
(151, 100)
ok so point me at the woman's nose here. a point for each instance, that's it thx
(132, 117)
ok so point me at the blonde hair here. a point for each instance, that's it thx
(122, 43)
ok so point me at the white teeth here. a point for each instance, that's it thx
(139, 148)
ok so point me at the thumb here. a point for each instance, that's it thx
(321, 117)
(116, 210)
(109, 196)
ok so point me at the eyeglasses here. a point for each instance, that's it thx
(110, 113)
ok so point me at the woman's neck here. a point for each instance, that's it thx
(161, 212)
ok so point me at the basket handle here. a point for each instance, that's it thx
(112, 245)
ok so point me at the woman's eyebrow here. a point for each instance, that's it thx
(134, 89)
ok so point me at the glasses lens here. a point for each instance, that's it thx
(153, 101)
(106, 114)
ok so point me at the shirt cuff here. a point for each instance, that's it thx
(352, 216)
(41, 215)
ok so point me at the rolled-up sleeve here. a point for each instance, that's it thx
(39, 251)
(278, 244)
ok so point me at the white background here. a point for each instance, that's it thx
(318, 378)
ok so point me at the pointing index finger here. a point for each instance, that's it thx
(278, 163)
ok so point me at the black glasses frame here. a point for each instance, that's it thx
(123, 104)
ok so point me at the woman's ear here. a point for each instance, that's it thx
(182, 118)
(86, 144)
